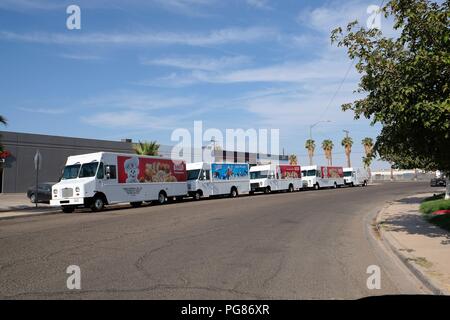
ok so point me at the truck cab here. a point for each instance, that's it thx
(81, 179)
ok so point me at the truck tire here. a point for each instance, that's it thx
(162, 197)
(267, 190)
(68, 209)
(198, 195)
(98, 204)
(136, 204)
(291, 188)
(335, 185)
(317, 186)
(233, 192)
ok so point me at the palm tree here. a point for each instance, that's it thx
(147, 148)
(327, 146)
(347, 143)
(368, 147)
(311, 146)
(293, 159)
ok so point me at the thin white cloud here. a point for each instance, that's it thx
(47, 111)
(198, 62)
(127, 100)
(259, 4)
(215, 37)
(79, 56)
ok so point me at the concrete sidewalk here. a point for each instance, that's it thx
(14, 205)
(423, 247)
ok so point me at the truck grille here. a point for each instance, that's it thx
(254, 185)
(67, 192)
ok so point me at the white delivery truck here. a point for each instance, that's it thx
(356, 177)
(323, 177)
(271, 177)
(96, 179)
(214, 179)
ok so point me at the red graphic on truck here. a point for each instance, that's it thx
(134, 169)
(332, 172)
(290, 172)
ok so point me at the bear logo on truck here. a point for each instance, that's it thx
(131, 167)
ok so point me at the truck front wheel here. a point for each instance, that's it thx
(316, 186)
(98, 204)
(197, 195)
(267, 190)
(233, 193)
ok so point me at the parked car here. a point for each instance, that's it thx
(44, 192)
(438, 182)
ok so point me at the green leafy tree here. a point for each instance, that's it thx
(147, 148)
(327, 146)
(311, 146)
(405, 82)
(347, 143)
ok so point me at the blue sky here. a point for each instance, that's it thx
(140, 69)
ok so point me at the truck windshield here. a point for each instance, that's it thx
(311, 173)
(193, 174)
(70, 172)
(347, 173)
(258, 175)
(88, 169)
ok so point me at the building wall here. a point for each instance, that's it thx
(18, 170)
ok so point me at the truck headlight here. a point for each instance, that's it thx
(55, 191)
(77, 189)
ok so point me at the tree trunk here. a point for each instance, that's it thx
(447, 188)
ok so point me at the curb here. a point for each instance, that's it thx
(386, 238)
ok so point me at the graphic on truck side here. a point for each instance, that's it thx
(290, 172)
(145, 170)
(332, 172)
(229, 171)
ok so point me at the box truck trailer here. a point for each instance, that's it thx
(356, 177)
(98, 179)
(271, 177)
(318, 177)
(215, 179)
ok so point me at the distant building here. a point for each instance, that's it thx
(401, 175)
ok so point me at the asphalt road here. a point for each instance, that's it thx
(303, 245)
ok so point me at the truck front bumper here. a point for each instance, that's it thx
(67, 202)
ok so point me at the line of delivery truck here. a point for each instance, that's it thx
(97, 179)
